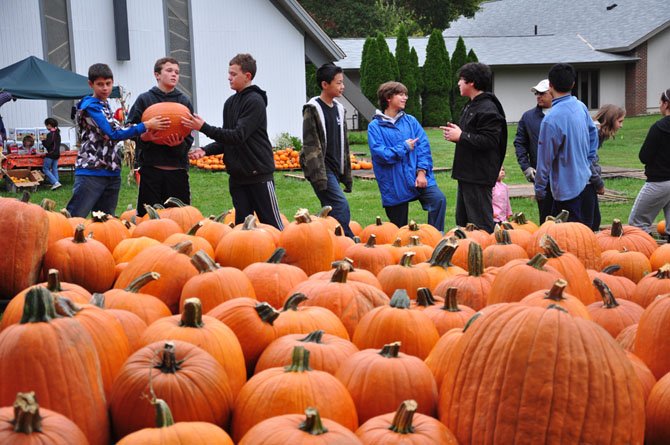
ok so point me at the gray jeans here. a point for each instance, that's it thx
(653, 197)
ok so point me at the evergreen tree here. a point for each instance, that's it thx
(407, 72)
(472, 57)
(458, 59)
(312, 89)
(369, 68)
(388, 69)
(416, 93)
(435, 87)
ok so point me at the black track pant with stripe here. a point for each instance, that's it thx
(260, 198)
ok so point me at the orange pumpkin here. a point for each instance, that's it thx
(626, 337)
(658, 413)
(199, 243)
(651, 285)
(384, 231)
(308, 244)
(660, 256)
(26, 423)
(650, 342)
(129, 248)
(59, 227)
(305, 319)
(519, 278)
(621, 236)
(568, 265)
(559, 297)
(175, 112)
(451, 314)
(622, 287)
(273, 280)
(503, 251)
(156, 227)
(473, 287)
(369, 256)
(145, 306)
(245, 245)
(634, 265)
(427, 234)
(519, 221)
(107, 229)
(440, 357)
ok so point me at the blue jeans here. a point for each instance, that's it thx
(575, 206)
(50, 169)
(432, 200)
(94, 193)
(334, 196)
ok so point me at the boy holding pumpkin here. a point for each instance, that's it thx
(163, 166)
(97, 179)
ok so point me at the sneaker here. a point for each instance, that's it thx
(55, 186)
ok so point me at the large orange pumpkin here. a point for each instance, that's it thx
(175, 112)
(405, 426)
(403, 276)
(557, 295)
(277, 391)
(61, 345)
(549, 360)
(245, 245)
(167, 432)
(306, 319)
(26, 423)
(273, 280)
(658, 413)
(568, 265)
(621, 236)
(650, 342)
(384, 231)
(308, 429)
(449, 315)
(106, 229)
(519, 278)
(370, 256)
(186, 377)
(651, 285)
(59, 227)
(25, 237)
(634, 265)
(308, 244)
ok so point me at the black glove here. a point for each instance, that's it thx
(347, 188)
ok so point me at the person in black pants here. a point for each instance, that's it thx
(52, 144)
(244, 142)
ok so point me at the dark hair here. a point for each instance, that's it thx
(326, 73)
(51, 121)
(158, 66)
(99, 70)
(562, 77)
(28, 138)
(665, 95)
(387, 90)
(246, 62)
(477, 73)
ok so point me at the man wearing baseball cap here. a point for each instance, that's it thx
(525, 141)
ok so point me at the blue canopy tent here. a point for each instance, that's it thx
(33, 78)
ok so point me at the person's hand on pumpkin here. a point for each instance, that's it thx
(174, 140)
(194, 122)
(157, 123)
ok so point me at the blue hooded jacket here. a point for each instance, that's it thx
(394, 164)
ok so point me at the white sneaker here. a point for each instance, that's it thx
(55, 186)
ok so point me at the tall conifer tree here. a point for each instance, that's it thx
(435, 86)
(418, 77)
(407, 71)
(458, 59)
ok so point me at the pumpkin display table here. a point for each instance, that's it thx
(67, 159)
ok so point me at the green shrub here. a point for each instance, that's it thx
(358, 138)
(285, 140)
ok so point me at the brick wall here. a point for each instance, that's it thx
(636, 82)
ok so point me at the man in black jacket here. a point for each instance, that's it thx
(163, 167)
(244, 142)
(481, 142)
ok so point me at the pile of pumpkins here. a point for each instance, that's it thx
(180, 328)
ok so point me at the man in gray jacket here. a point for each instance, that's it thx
(325, 151)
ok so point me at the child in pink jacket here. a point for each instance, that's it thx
(502, 209)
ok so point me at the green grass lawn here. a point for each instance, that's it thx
(210, 189)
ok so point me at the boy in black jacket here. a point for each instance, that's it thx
(244, 141)
(481, 142)
(163, 168)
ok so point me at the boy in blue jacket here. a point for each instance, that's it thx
(402, 161)
(97, 179)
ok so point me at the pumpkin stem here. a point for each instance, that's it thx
(400, 299)
(169, 363)
(475, 260)
(471, 227)
(413, 226)
(617, 228)
(550, 247)
(184, 247)
(451, 300)
(25, 197)
(325, 211)
(141, 281)
(38, 306)
(391, 350)
(49, 205)
(53, 281)
(164, 417)
(193, 230)
(424, 297)
(79, 236)
(27, 418)
(397, 242)
(502, 236)
(606, 293)
(538, 261)
(402, 420)
(98, 216)
(191, 316)
(460, 233)
(313, 337)
(372, 241)
(98, 300)
(293, 301)
(174, 202)
(250, 223)
(406, 260)
(663, 272)
(471, 320)
(302, 216)
(299, 360)
(341, 272)
(65, 307)
(65, 213)
(562, 217)
(267, 313)
(436, 250)
(203, 262)
(312, 423)
(414, 241)
(556, 291)
(443, 253)
(378, 221)
(277, 256)
(519, 218)
(611, 269)
(507, 225)
(153, 214)
(339, 231)
(221, 216)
